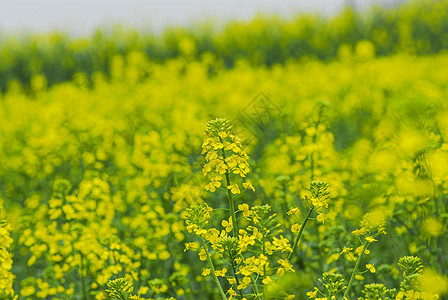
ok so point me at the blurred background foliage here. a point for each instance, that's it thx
(100, 142)
(416, 27)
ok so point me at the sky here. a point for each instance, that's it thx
(82, 17)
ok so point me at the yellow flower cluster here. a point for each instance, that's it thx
(372, 225)
(379, 137)
(198, 218)
(416, 295)
(224, 156)
(6, 277)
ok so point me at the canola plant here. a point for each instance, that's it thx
(191, 177)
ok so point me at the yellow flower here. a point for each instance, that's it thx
(295, 228)
(282, 244)
(312, 294)
(200, 232)
(188, 246)
(202, 255)
(346, 250)
(293, 211)
(317, 203)
(333, 257)
(360, 231)
(246, 280)
(248, 186)
(227, 224)
(234, 188)
(359, 250)
(221, 139)
(245, 240)
(213, 185)
(221, 168)
(206, 169)
(267, 280)
(370, 239)
(231, 162)
(221, 273)
(244, 283)
(321, 217)
(217, 145)
(232, 293)
(371, 268)
(206, 272)
(245, 209)
(223, 134)
(286, 265)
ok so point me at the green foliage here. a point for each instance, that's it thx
(96, 177)
(332, 283)
(377, 291)
(33, 61)
(412, 268)
(319, 190)
(119, 289)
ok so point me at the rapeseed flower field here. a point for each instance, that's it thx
(212, 174)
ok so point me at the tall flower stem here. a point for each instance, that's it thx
(264, 265)
(232, 207)
(234, 273)
(299, 234)
(83, 279)
(215, 278)
(254, 282)
(232, 211)
(229, 195)
(366, 244)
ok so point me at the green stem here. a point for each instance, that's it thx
(234, 274)
(232, 208)
(229, 195)
(438, 239)
(299, 234)
(83, 280)
(221, 291)
(254, 283)
(366, 244)
(264, 266)
(232, 211)
(123, 296)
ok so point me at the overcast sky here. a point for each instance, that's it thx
(83, 16)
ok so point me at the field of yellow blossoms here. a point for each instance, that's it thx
(188, 178)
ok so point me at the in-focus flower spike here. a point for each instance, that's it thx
(319, 193)
(197, 218)
(6, 278)
(219, 127)
(224, 156)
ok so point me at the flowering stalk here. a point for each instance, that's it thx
(220, 138)
(229, 194)
(319, 196)
(234, 223)
(6, 278)
(215, 278)
(365, 245)
(83, 279)
(232, 261)
(264, 266)
(299, 234)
